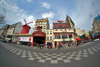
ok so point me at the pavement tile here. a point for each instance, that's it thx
(54, 61)
(41, 60)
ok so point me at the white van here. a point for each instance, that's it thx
(96, 39)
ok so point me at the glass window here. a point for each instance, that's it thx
(70, 36)
(57, 37)
(44, 27)
(44, 31)
(41, 23)
(50, 32)
(50, 37)
(36, 23)
(64, 36)
(47, 32)
(35, 27)
(47, 38)
(9, 36)
(44, 22)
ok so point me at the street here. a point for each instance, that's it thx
(85, 55)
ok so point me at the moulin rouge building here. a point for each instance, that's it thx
(63, 32)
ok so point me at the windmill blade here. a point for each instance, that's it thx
(30, 22)
(25, 21)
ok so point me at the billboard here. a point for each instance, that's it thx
(98, 18)
(60, 25)
(27, 39)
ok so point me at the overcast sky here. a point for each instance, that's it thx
(82, 12)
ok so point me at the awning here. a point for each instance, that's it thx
(78, 39)
(48, 42)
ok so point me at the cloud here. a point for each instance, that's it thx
(29, 1)
(46, 5)
(15, 14)
(49, 15)
(84, 14)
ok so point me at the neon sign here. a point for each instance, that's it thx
(60, 25)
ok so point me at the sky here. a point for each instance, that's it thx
(82, 12)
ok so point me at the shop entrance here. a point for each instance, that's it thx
(38, 40)
(55, 43)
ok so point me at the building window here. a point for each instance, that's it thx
(64, 36)
(47, 32)
(70, 36)
(50, 32)
(44, 31)
(44, 27)
(50, 37)
(35, 27)
(36, 23)
(57, 37)
(47, 38)
(41, 23)
(44, 22)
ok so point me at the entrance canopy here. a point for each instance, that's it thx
(38, 34)
(39, 37)
(78, 39)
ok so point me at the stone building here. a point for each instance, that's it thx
(80, 32)
(96, 27)
(63, 34)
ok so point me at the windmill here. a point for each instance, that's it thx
(26, 28)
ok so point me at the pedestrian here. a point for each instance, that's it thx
(40, 46)
(28, 44)
(59, 45)
(77, 43)
(47, 45)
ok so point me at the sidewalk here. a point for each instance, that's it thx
(35, 47)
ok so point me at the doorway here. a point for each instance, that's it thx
(55, 44)
(38, 40)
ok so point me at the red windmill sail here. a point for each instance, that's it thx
(26, 28)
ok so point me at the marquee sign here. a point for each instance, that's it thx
(25, 39)
(61, 25)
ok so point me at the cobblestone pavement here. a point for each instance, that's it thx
(54, 58)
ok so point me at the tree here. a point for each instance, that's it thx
(90, 33)
(2, 17)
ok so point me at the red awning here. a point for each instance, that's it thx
(78, 39)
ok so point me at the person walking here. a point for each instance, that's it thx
(59, 45)
(77, 43)
(28, 44)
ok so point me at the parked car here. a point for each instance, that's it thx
(4, 40)
(7, 41)
(96, 39)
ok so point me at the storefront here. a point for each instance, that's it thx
(38, 38)
(22, 39)
(64, 39)
(25, 40)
